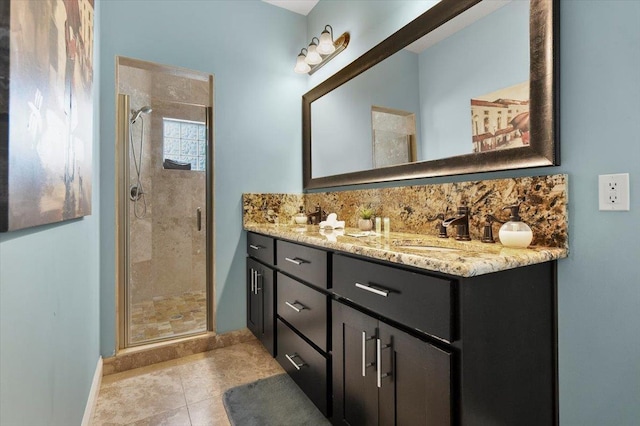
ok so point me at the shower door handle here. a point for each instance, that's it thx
(199, 218)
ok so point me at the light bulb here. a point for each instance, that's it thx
(301, 66)
(313, 57)
(326, 47)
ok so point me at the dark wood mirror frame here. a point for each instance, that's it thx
(544, 148)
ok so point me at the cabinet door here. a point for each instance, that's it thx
(260, 303)
(415, 380)
(266, 290)
(355, 394)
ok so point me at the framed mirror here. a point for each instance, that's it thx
(468, 86)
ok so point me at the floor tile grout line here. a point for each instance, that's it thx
(184, 395)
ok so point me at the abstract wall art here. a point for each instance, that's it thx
(46, 111)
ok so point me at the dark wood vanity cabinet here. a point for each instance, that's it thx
(302, 308)
(472, 351)
(261, 290)
(378, 343)
(384, 376)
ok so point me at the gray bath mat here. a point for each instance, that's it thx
(274, 401)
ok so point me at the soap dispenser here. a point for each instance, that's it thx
(515, 233)
(300, 218)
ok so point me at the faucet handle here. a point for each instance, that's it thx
(487, 234)
(442, 230)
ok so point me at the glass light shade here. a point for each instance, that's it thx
(326, 47)
(301, 66)
(313, 57)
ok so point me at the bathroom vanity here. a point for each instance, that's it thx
(409, 329)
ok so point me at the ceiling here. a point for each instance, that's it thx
(303, 7)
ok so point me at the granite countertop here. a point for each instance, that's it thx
(461, 258)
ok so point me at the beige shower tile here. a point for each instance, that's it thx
(138, 397)
(139, 289)
(177, 417)
(171, 237)
(140, 239)
(209, 412)
(173, 196)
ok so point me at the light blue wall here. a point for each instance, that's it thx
(491, 54)
(49, 312)
(598, 284)
(251, 48)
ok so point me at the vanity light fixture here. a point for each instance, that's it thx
(318, 54)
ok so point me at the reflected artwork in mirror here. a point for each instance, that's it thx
(476, 80)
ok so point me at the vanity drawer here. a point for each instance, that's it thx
(261, 247)
(306, 263)
(306, 366)
(304, 308)
(415, 300)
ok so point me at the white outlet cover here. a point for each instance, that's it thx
(613, 192)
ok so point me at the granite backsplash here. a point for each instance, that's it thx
(543, 201)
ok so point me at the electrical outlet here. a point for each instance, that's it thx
(613, 192)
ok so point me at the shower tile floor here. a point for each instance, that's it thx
(186, 391)
(168, 316)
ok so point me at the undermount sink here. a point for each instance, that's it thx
(428, 248)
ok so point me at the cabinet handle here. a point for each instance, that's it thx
(253, 282)
(365, 339)
(255, 247)
(295, 364)
(379, 348)
(199, 218)
(294, 260)
(258, 275)
(378, 291)
(294, 307)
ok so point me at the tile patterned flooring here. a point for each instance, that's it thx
(168, 316)
(183, 392)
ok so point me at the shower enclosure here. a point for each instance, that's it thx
(165, 193)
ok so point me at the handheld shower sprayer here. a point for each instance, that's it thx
(135, 114)
(136, 191)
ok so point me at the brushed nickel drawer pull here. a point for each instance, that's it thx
(255, 247)
(365, 339)
(379, 348)
(258, 276)
(378, 291)
(295, 364)
(294, 307)
(295, 260)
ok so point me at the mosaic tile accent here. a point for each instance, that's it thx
(543, 206)
(168, 316)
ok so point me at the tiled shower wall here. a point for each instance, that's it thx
(167, 254)
(543, 201)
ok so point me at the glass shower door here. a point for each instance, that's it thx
(167, 210)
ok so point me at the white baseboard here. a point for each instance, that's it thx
(92, 400)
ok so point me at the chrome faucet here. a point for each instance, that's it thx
(461, 221)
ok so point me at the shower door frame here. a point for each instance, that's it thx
(122, 164)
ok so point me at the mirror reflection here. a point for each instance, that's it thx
(461, 89)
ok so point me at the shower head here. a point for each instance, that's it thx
(136, 114)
